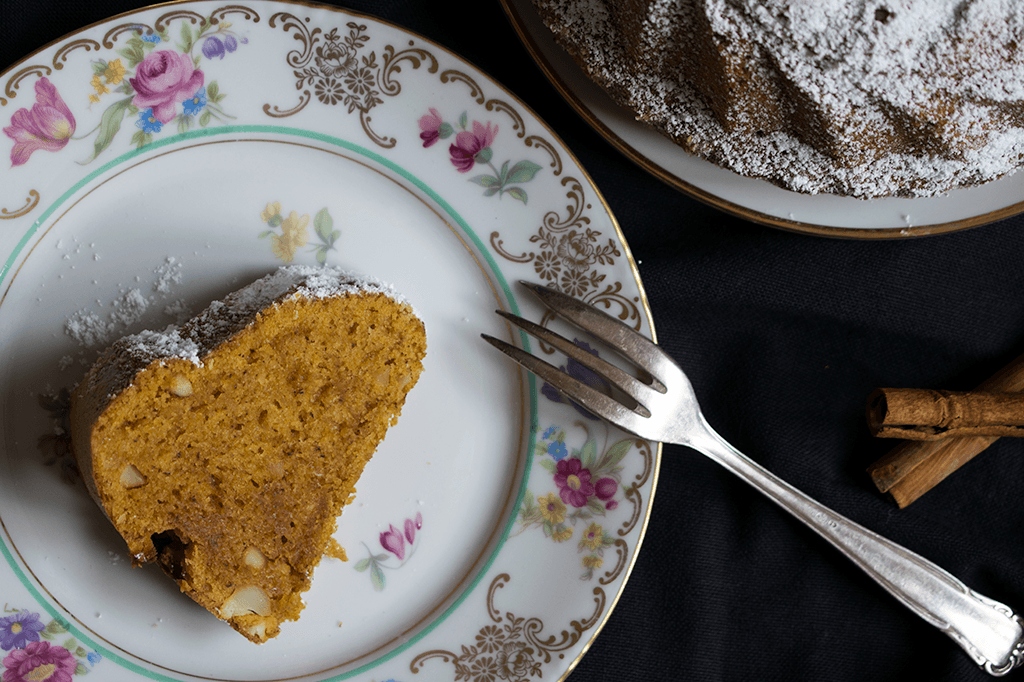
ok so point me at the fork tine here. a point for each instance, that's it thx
(619, 336)
(589, 398)
(631, 386)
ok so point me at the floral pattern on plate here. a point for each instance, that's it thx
(31, 651)
(406, 109)
(400, 543)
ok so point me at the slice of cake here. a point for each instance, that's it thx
(225, 449)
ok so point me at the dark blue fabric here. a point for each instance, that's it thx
(783, 335)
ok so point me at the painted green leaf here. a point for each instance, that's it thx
(324, 224)
(595, 505)
(110, 123)
(184, 123)
(133, 55)
(381, 557)
(186, 38)
(549, 464)
(503, 173)
(445, 130)
(99, 67)
(488, 181)
(55, 627)
(377, 577)
(362, 565)
(588, 454)
(463, 120)
(518, 193)
(548, 528)
(139, 139)
(212, 90)
(80, 669)
(491, 191)
(335, 235)
(321, 255)
(265, 234)
(81, 652)
(528, 499)
(70, 644)
(523, 172)
(614, 454)
(484, 155)
(204, 119)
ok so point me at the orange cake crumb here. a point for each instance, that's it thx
(225, 450)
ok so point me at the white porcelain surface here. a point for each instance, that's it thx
(122, 228)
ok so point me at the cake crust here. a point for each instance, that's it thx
(225, 449)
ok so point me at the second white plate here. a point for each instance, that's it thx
(751, 199)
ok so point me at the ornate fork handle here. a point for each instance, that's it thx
(987, 630)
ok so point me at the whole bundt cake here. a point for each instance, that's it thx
(224, 449)
(863, 98)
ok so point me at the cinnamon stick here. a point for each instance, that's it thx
(913, 468)
(927, 414)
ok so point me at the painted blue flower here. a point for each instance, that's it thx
(194, 104)
(151, 37)
(148, 123)
(18, 630)
(557, 450)
(93, 658)
(548, 432)
(577, 371)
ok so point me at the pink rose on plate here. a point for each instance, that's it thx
(163, 80)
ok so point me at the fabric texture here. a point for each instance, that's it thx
(783, 335)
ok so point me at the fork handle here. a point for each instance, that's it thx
(987, 630)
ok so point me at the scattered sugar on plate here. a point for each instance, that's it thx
(93, 330)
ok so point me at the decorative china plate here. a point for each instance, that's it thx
(163, 158)
(748, 198)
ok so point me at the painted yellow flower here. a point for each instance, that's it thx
(562, 534)
(93, 98)
(272, 209)
(294, 235)
(98, 85)
(593, 561)
(114, 72)
(551, 508)
(294, 227)
(592, 536)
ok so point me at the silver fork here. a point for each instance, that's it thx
(666, 410)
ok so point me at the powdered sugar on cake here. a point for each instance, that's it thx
(194, 339)
(950, 72)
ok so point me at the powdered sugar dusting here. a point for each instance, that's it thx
(195, 338)
(92, 330)
(906, 98)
